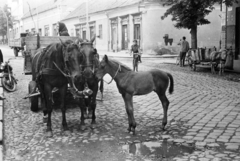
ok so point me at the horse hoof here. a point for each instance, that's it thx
(85, 116)
(82, 127)
(93, 126)
(132, 132)
(163, 128)
(49, 134)
(67, 133)
(45, 120)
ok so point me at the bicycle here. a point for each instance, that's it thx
(135, 61)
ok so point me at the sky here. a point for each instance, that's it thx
(3, 2)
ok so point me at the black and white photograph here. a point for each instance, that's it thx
(119, 80)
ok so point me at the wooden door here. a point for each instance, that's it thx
(137, 33)
(237, 45)
(84, 35)
(124, 37)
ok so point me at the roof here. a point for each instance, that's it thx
(98, 6)
(42, 8)
(52, 4)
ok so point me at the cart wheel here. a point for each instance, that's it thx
(34, 100)
(15, 52)
(194, 67)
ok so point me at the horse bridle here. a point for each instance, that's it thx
(66, 74)
(119, 69)
(92, 65)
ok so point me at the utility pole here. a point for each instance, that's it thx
(87, 23)
(7, 25)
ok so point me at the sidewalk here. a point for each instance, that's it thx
(125, 54)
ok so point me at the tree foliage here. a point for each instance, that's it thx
(191, 13)
(3, 20)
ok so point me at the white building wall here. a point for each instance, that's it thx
(41, 20)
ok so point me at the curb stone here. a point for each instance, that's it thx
(1, 123)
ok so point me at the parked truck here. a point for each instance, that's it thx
(17, 43)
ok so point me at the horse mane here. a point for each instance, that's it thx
(125, 67)
(54, 50)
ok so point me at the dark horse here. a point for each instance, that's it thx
(88, 79)
(132, 83)
(55, 66)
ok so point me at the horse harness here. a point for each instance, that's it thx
(42, 70)
(118, 70)
(93, 65)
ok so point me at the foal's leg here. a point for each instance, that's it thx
(128, 99)
(137, 66)
(165, 104)
(48, 96)
(63, 92)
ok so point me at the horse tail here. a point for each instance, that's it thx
(171, 88)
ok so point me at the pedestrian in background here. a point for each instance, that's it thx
(184, 49)
(1, 56)
(135, 50)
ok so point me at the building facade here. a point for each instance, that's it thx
(39, 16)
(118, 23)
(231, 31)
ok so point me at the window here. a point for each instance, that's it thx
(100, 31)
(84, 34)
(92, 31)
(77, 32)
(46, 30)
(55, 29)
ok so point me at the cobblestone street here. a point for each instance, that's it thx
(203, 123)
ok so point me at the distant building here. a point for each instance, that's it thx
(39, 16)
(119, 22)
(232, 32)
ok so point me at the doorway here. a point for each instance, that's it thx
(137, 33)
(237, 45)
(124, 37)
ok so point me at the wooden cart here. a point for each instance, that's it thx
(200, 58)
(33, 43)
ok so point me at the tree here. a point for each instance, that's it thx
(191, 13)
(3, 20)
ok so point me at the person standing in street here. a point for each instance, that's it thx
(184, 49)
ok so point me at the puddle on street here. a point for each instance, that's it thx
(157, 149)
